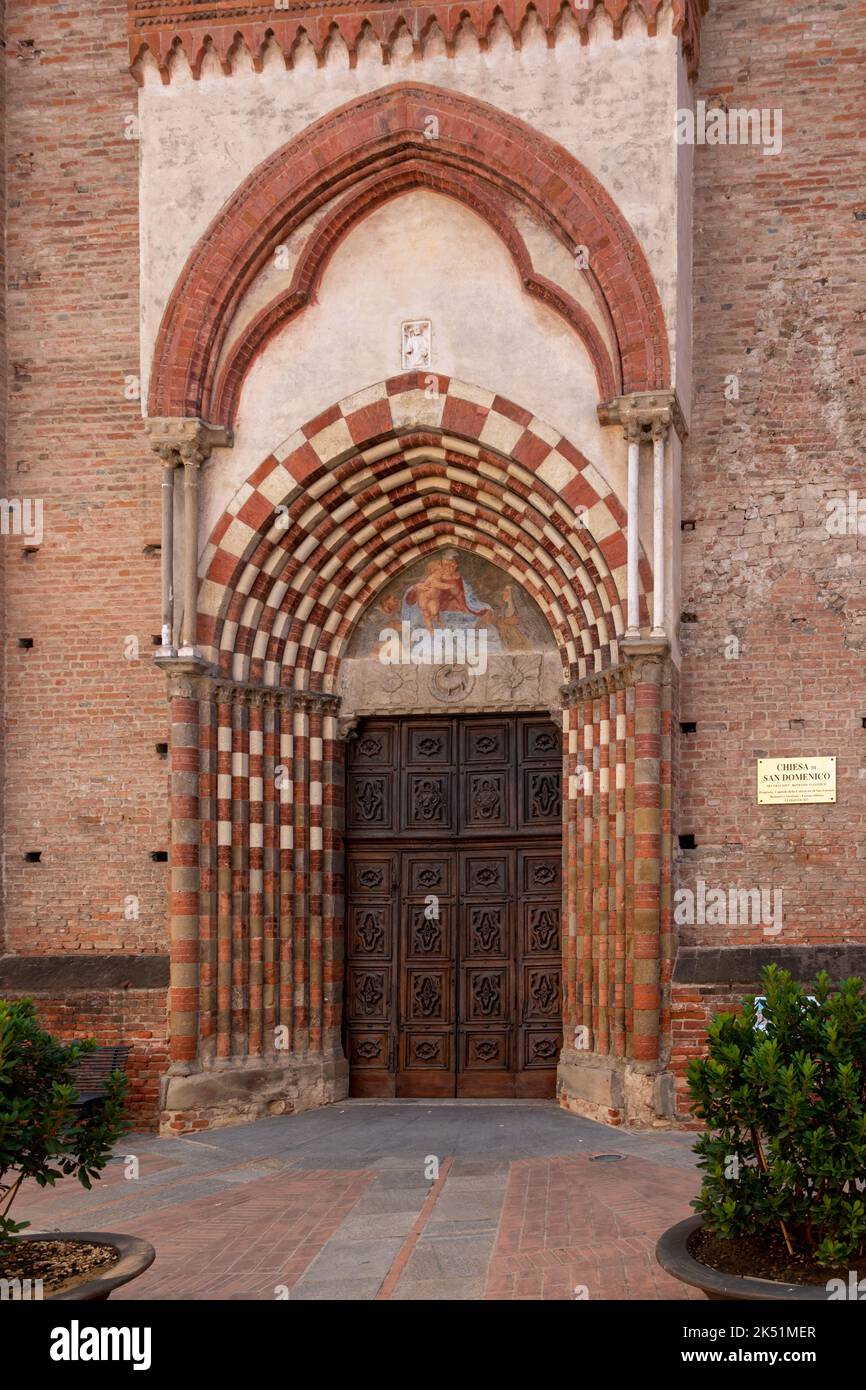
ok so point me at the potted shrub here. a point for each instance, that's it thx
(45, 1134)
(782, 1091)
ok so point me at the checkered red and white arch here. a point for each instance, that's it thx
(386, 474)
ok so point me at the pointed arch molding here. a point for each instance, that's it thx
(158, 27)
(382, 477)
(360, 155)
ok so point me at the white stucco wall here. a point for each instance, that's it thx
(421, 256)
(611, 103)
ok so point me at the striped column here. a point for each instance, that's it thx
(208, 879)
(270, 871)
(667, 937)
(628, 967)
(618, 852)
(256, 890)
(646, 942)
(184, 692)
(256, 872)
(284, 733)
(618, 794)
(223, 702)
(315, 799)
(301, 876)
(587, 967)
(573, 783)
(240, 875)
(333, 896)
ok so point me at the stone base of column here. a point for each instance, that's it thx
(237, 1090)
(614, 1090)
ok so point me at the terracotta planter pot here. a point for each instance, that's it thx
(673, 1256)
(135, 1256)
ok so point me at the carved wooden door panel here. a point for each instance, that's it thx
(426, 1007)
(372, 882)
(453, 907)
(486, 969)
(539, 968)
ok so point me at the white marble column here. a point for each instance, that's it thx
(659, 433)
(167, 556)
(632, 436)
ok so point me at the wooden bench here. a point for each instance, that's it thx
(92, 1071)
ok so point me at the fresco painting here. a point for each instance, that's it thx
(457, 592)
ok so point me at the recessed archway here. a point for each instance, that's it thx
(377, 481)
(381, 476)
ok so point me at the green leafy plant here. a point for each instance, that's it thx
(783, 1093)
(43, 1135)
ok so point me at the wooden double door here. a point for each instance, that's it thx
(454, 901)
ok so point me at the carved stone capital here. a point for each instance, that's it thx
(593, 687)
(185, 439)
(645, 659)
(330, 704)
(645, 415)
(315, 701)
(188, 677)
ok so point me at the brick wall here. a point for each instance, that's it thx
(139, 1019)
(778, 302)
(84, 784)
(4, 488)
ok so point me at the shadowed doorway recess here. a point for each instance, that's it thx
(454, 898)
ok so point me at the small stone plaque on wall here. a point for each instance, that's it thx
(796, 781)
(417, 348)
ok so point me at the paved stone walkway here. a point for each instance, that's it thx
(393, 1200)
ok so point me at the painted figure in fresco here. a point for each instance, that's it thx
(442, 598)
(452, 592)
(508, 621)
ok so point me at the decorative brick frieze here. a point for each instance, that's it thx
(224, 30)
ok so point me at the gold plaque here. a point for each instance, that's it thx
(796, 781)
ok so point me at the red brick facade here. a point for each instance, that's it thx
(84, 784)
(778, 305)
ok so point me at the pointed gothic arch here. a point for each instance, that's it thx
(478, 151)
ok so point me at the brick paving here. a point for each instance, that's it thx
(383, 1200)
(574, 1227)
(254, 1243)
